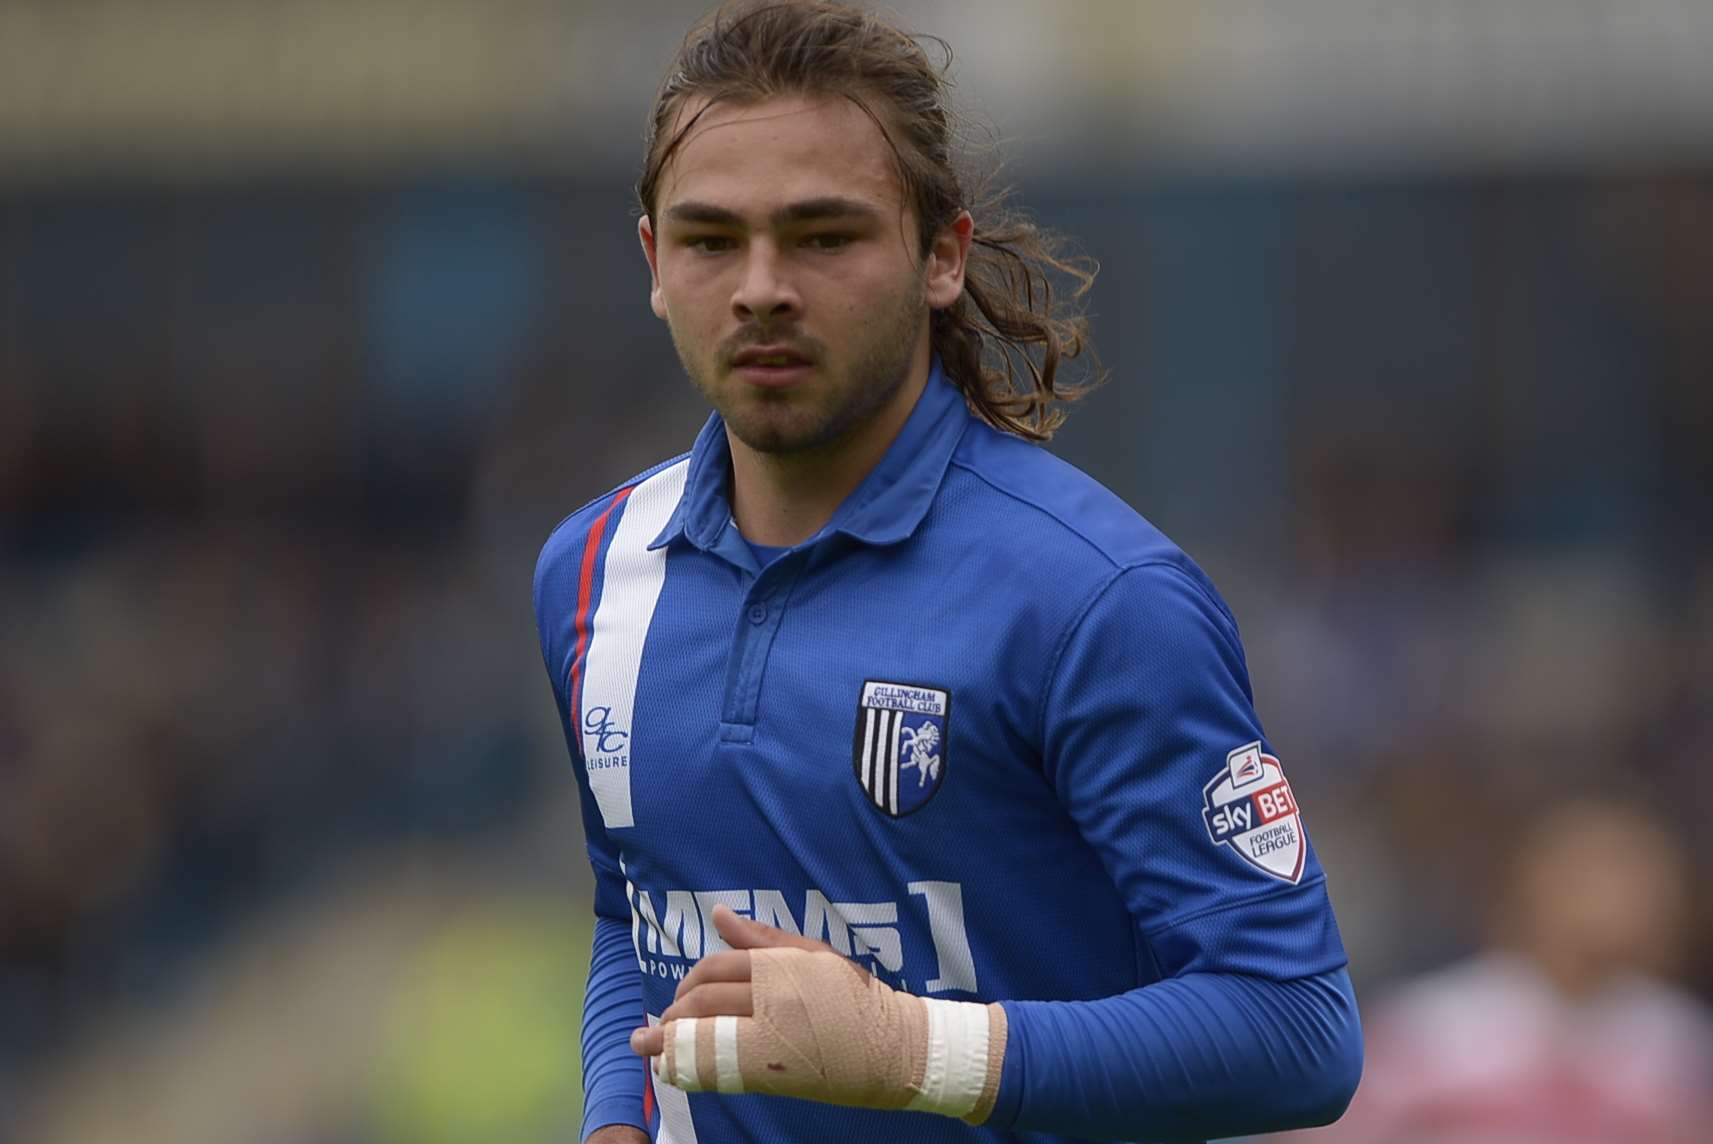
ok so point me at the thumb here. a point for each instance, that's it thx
(747, 933)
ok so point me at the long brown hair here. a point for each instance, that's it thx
(1004, 340)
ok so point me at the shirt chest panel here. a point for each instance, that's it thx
(775, 820)
(797, 657)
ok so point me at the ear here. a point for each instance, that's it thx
(947, 258)
(656, 298)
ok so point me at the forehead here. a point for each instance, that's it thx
(752, 157)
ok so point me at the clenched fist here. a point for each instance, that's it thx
(788, 1016)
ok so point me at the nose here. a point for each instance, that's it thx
(765, 291)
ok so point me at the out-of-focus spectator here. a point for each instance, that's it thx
(1566, 1028)
(431, 999)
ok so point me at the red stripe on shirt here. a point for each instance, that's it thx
(585, 596)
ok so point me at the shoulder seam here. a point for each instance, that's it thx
(614, 491)
(1219, 607)
(1045, 691)
(1076, 622)
(1118, 568)
(1042, 509)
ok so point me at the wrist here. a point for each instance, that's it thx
(617, 1134)
(964, 1061)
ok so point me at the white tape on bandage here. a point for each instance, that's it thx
(823, 1029)
(729, 1077)
(957, 1058)
(684, 1055)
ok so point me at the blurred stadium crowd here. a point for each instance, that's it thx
(287, 847)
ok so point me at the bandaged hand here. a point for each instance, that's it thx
(784, 1015)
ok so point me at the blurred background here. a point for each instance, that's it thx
(316, 317)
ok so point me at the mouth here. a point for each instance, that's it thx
(771, 367)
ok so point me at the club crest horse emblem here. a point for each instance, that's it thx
(899, 750)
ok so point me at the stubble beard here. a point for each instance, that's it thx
(787, 422)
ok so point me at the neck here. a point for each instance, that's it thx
(782, 499)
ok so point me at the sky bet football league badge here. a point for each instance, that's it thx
(1249, 807)
(899, 753)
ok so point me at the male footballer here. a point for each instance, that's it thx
(922, 782)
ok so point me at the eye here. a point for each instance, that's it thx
(710, 243)
(828, 241)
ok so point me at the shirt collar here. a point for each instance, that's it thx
(884, 509)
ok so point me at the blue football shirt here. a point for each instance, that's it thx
(989, 732)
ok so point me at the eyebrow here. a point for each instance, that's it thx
(805, 210)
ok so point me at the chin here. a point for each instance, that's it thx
(775, 440)
(791, 433)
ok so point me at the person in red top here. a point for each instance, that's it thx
(1566, 1029)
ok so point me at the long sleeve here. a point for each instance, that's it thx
(1246, 1021)
(1199, 1056)
(614, 1079)
(613, 1076)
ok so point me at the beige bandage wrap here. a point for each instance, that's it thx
(825, 1030)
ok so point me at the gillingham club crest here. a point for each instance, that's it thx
(1249, 807)
(899, 753)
